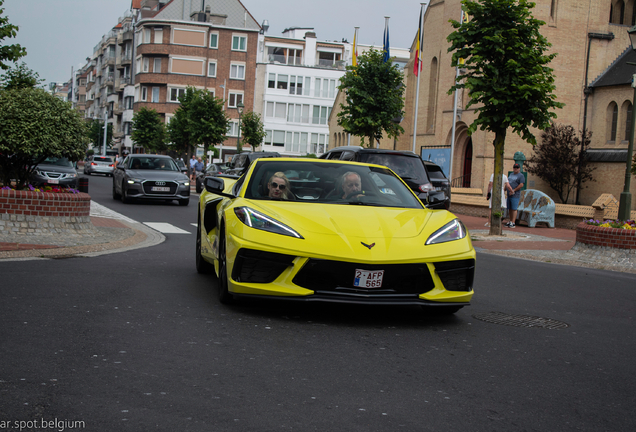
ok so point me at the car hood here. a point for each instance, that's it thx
(56, 168)
(157, 175)
(354, 221)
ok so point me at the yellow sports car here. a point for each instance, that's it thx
(331, 231)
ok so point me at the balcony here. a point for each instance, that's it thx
(126, 36)
(124, 81)
(118, 109)
(110, 79)
(126, 58)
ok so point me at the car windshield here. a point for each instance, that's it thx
(409, 168)
(153, 163)
(57, 161)
(102, 159)
(328, 183)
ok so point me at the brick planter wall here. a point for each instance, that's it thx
(605, 237)
(41, 213)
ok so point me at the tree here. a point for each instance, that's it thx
(13, 52)
(373, 94)
(96, 134)
(20, 77)
(507, 77)
(208, 122)
(556, 159)
(252, 129)
(148, 130)
(36, 125)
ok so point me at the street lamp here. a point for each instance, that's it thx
(625, 203)
(239, 108)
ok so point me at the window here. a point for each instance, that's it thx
(320, 114)
(237, 71)
(214, 40)
(239, 43)
(212, 69)
(127, 128)
(296, 85)
(271, 83)
(317, 87)
(294, 57)
(144, 94)
(282, 82)
(327, 58)
(279, 112)
(278, 138)
(318, 143)
(155, 94)
(147, 35)
(187, 66)
(156, 67)
(612, 111)
(158, 35)
(235, 99)
(146, 64)
(82, 99)
(176, 93)
(232, 128)
(276, 55)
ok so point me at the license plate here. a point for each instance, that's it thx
(368, 279)
(160, 189)
(53, 181)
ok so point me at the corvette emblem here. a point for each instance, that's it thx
(368, 246)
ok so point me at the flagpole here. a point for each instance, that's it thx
(419, 60)
(450, 165)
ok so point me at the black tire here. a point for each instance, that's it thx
(224, 294)
(184, 202)
(203, 266)
(124, 195)
(441, 310)
(116, 196)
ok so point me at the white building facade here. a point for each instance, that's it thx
(297, 82)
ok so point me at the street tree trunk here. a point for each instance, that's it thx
(495, 212)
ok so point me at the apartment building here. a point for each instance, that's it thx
(180, 44)
(296, 85)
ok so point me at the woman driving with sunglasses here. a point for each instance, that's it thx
(279, 187)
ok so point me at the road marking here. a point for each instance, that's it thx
(98, 210)
(165, 228)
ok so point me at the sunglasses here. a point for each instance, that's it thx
(278, 186)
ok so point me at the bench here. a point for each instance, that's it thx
(535, 206)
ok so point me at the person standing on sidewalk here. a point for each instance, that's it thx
(516, 181)
(192, 172)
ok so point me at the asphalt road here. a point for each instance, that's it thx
(138, 341)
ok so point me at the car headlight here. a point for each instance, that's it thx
(454, 230)
(185, 183)
(257, 220)
(134, 180)
(70, 175)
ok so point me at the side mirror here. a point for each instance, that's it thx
(214, 185)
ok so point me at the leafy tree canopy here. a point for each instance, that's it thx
(374, 99)
(20, 77)
(36, 125)
(506, 75)
(13, 52)
(556, 159)
(149, 130)
(252, 129)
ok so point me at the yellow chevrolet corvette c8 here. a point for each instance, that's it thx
(331, 231)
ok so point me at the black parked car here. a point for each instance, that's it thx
(153, 177)
(241, 161)
(55, 171)
(439, 180)
(409, 166)
(212, 169)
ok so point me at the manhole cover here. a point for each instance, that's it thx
(521, 320)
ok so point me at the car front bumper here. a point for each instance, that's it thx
(147, 190)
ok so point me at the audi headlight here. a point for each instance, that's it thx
(134, 180)
(257, 220)
(185, 183)
(454, 230)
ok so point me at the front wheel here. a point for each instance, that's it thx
(124, 195)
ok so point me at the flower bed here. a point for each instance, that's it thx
(25, 212)
(604, 235)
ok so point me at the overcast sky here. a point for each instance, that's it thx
(60, 34)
